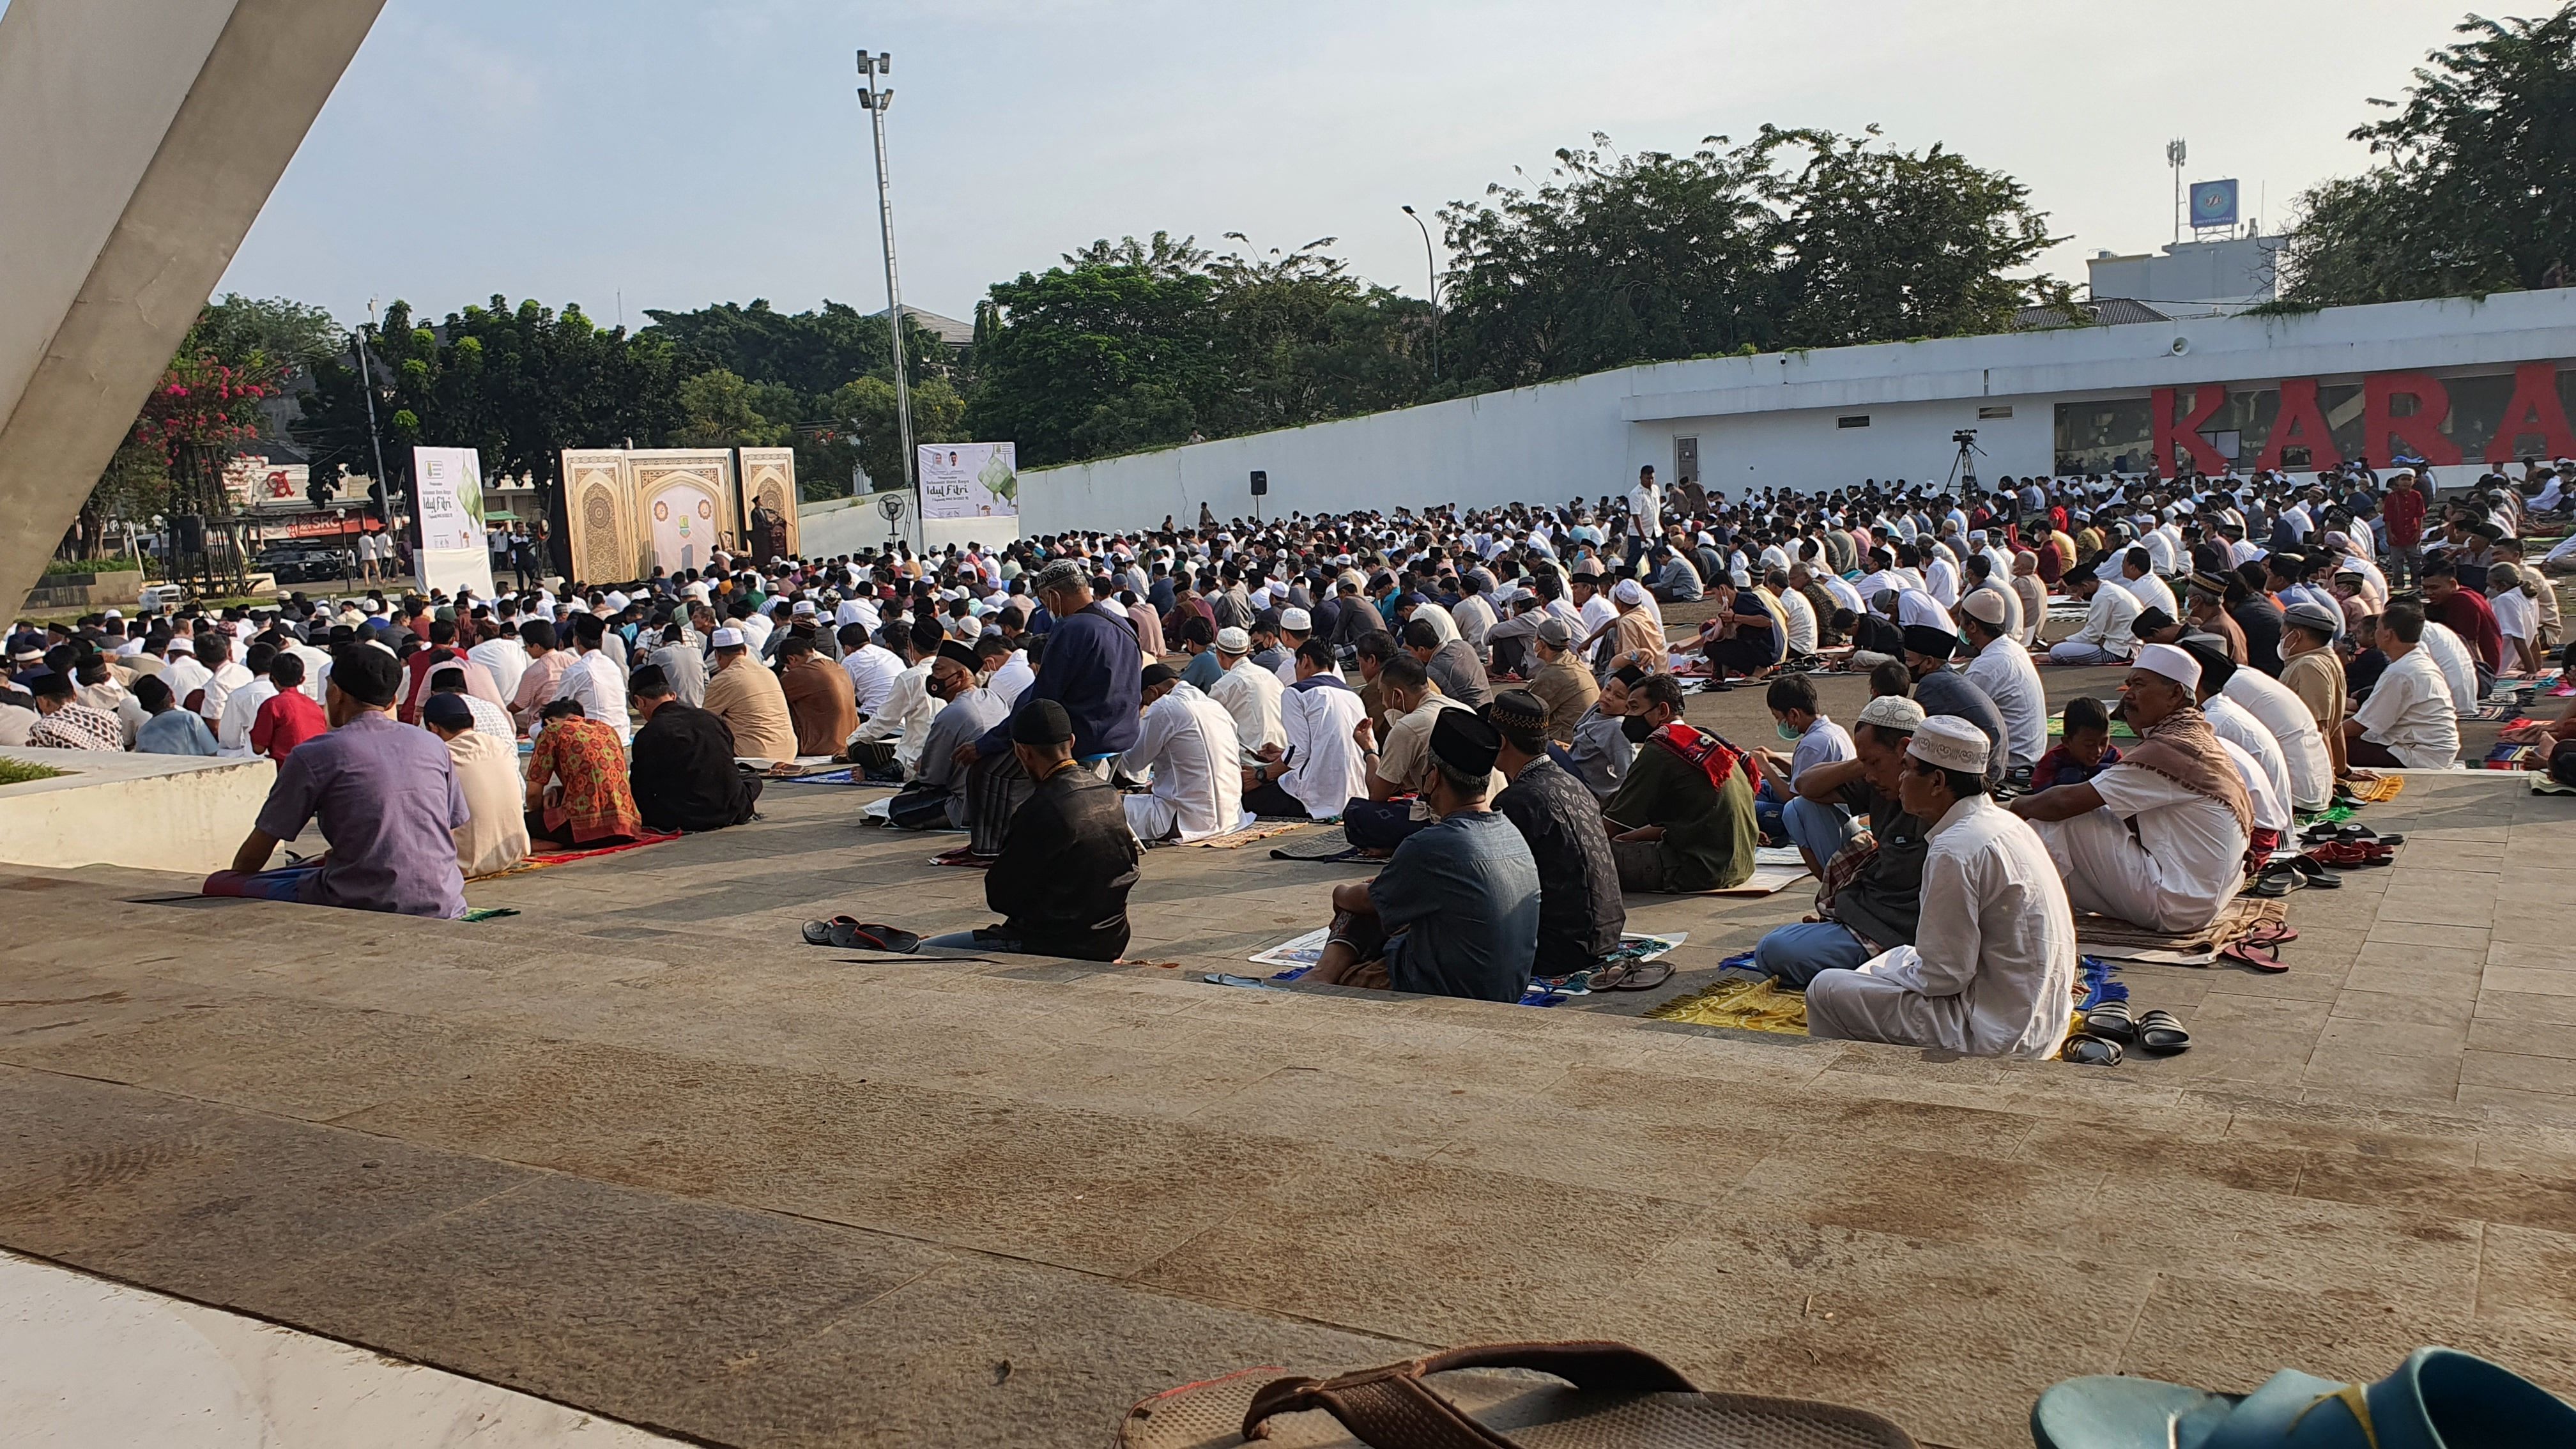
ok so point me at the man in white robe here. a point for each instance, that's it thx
(1320, 766)
(2002, 668)
(1188, 746)
(2286, 717)
(2109, 630)
(2193, 818)
(1251, 694)
(2407, 722)
(1991, 971)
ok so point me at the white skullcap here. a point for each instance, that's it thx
(1231, 640)
(617, 600)
(1951, 743)
(1892, 712)
(2172, 662)
(728, 638)
(803, 606)
(1296, 621)
(1628, 592)
(1985, 606)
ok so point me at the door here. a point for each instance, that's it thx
(1685, 460)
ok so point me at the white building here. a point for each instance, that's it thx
(2437, 378)
(2193, 278)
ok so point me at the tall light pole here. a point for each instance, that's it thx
(875, 99)
(1431, 265)
(367, 390)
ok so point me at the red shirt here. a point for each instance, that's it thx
(285, 720)
(2404, 510)
(2470, 616)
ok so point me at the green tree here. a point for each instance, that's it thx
(719, 410)
(236, 329)
(865, 432)
(2475, 190)
(811, 352)
(1097, 356)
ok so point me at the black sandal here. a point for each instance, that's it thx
(2315, 872)
(2160, 1034)
(2090, 1051)
(2111, 1022)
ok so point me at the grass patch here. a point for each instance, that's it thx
(19, 772)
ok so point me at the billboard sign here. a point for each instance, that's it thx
(447, 494)
(969, 480)
(2213, 204)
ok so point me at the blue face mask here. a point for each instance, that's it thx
(1789, 732)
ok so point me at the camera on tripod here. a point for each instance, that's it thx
(1964, 436)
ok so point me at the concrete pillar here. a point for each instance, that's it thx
(143, 138)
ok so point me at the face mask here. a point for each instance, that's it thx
(1636, 727)
(1789, 732)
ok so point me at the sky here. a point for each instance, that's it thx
(626, 154)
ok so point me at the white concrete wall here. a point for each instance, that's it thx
(847, 525)
(1768, 421)
(179, 813)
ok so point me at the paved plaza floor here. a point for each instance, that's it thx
(640, 1151)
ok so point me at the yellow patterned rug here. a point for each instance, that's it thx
(1744, 1005)
(2379, 791)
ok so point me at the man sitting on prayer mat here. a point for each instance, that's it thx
(936, 797)
(1992, 968)
(2193, 819)
(681, 764)
(1320, 768)
(747, 697)
(487, 770)
(821, 703)
(1683, 822)
(1939, 691)
(1413, 704)
(1580, 911)
(2407, 722)
(1090, 667)
(1456, 912)
(1189, 747)
(1851, 824)
(1068, 859)
(577, 795)
(385, 795)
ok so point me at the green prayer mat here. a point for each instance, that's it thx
(487, 913)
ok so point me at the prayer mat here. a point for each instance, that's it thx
(1744, 1005)
(541, 860)
(2543, 785)
(488, 913)
(1766, 880)
(2335, 814)
(2117, 940)
(1325, 847)
(848, 775)
(2093, 983)
(2379, 791)
(1298, 953)
(1237, 839)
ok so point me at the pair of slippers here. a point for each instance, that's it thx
(1631, 976)
(2110, 1030)
(2355, 854)
(2322, 833)
(2297, 873)
(852, 934)
(2259, 949)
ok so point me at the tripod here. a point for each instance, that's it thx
(1963, 466)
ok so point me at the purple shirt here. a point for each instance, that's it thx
(387, 797)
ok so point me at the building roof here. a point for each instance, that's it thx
(2101, 312)
(950, 330)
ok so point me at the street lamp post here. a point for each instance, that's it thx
(1432, 265)
(875, 99)
(367, 389)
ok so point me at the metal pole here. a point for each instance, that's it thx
(367, 389)
(1431, 265)
(874, 100)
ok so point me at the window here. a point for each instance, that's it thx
(1857, 420)
(1988, 415)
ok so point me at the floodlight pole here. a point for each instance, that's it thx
(2175, 151)
(875, 99)
(1430, 264)
(367, 390)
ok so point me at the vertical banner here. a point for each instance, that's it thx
(447, 496)
(969, 480)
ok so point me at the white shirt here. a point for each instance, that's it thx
(2196, 848)
(2458, 666)
(505, 659)
(1251, 694)
(1913, 606)
(2409, 712)
(2110, 624)
(1798, 621)
(2517, 617)
(2151, 593)
(1012, 679)
(1843, 592)
(1188, 743)
(873, 669)
(219, 688)
(1473, 617)
(593, 679)
(1326, 770)
(1993, 961)
(2284, 716)
(241, 711)
(906, 718)
(2240, 730)
(2004, 671)
(1941, 581)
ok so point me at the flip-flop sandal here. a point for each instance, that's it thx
(1645, 976)
(2160, 1034)
(2247, 954)
(2272, 933)
(819, 933)
(2090, 1051)
(2111, 1022)
(1611, 1395)
(1608, 978)
(2273, 883)
(852, 935)
(2425, 1402)
(2314, 872)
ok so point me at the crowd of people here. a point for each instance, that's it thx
(1490, 701)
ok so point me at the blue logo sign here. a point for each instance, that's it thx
(2213, 203)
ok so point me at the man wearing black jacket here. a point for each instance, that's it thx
(682, 768)
(1066, 866)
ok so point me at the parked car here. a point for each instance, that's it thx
(303, 563)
